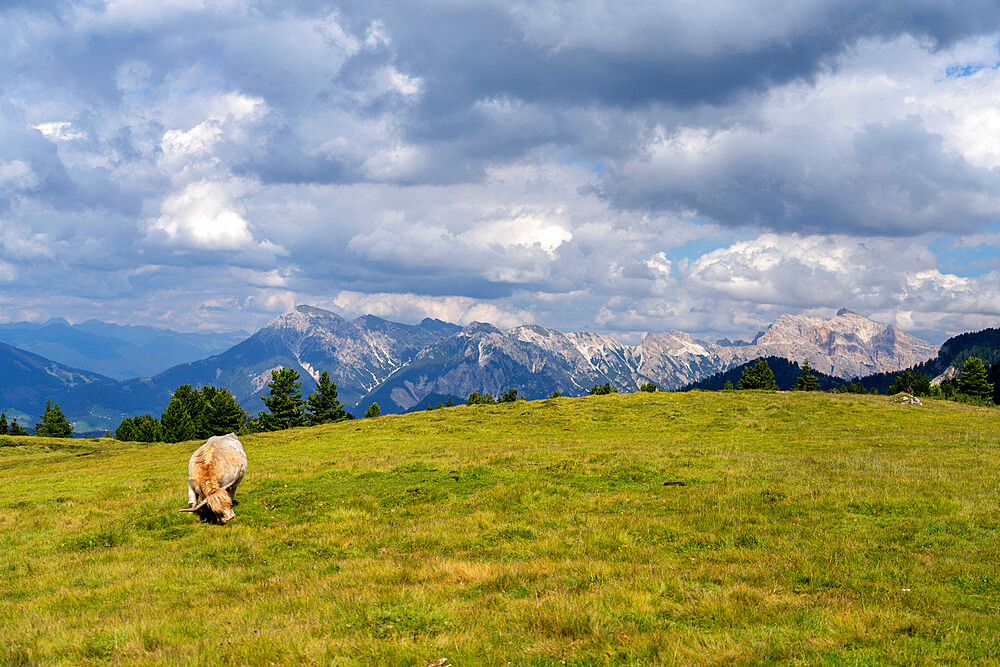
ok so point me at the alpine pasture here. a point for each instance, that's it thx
(666, 528)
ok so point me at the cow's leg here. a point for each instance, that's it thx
(192, 499)
(232, 490)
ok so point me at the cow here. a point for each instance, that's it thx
(214, 471)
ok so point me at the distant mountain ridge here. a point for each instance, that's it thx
(403, 367)
(536, 360)
(115, 350)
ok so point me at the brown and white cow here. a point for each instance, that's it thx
(214, 471)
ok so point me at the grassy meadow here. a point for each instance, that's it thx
(667, 528)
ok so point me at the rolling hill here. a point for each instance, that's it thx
(667, 528)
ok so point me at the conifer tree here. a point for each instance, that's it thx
(373, 411)
(758, 376)
(508, 396)
(728, 386)
(4, 427)
(974, 381)
(911, 382)
(806, 380)
(17, 429)
(53, 423)
(224, 414)
(126, 430)
(322, 405)
(284, 402)
(176, 420)
(147, 429)
(196, 405)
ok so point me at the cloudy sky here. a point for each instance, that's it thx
(596, 164)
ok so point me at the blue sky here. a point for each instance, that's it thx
(621, 167)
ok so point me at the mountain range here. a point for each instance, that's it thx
(115, 350)
(404, 367)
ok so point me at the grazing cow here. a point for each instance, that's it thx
(215, 470)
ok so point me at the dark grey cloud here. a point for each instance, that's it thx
(887, 178)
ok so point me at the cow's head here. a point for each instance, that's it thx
(217, 507)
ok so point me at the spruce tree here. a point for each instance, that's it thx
(728, 386)
(806, 380)
(196, 405)
(284, 402)
(911, 382)
(147, 429)
(16, 429)
(758, 376)
(3, 423)
(974, 381)
(373, 411)
(508, 396)
(176, 421)
(322, 404)
(126, 430)
(224, 414)
(53, 423)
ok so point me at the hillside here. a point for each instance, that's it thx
(28, 380)
(785, 374)
(984, 344)
(693, 528)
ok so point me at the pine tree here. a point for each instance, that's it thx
(508, 396)
(53, 423)
(758, 376)
(284, 402)
(322, 404)
(911, 382)
(16, 429)
(176, 421)
(728, 386)
(974, 381)
(806, 380)
(224, 414)
(373, 411)
(147, 429)
(649, 386)
(475, 398)
(3, 423)
(196, 405)
(126, 430)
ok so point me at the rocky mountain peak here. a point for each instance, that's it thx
(480, 328)
(846, 345)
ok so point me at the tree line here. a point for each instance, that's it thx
(193, 414)
(197, 414)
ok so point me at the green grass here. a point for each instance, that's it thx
(807, 529)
